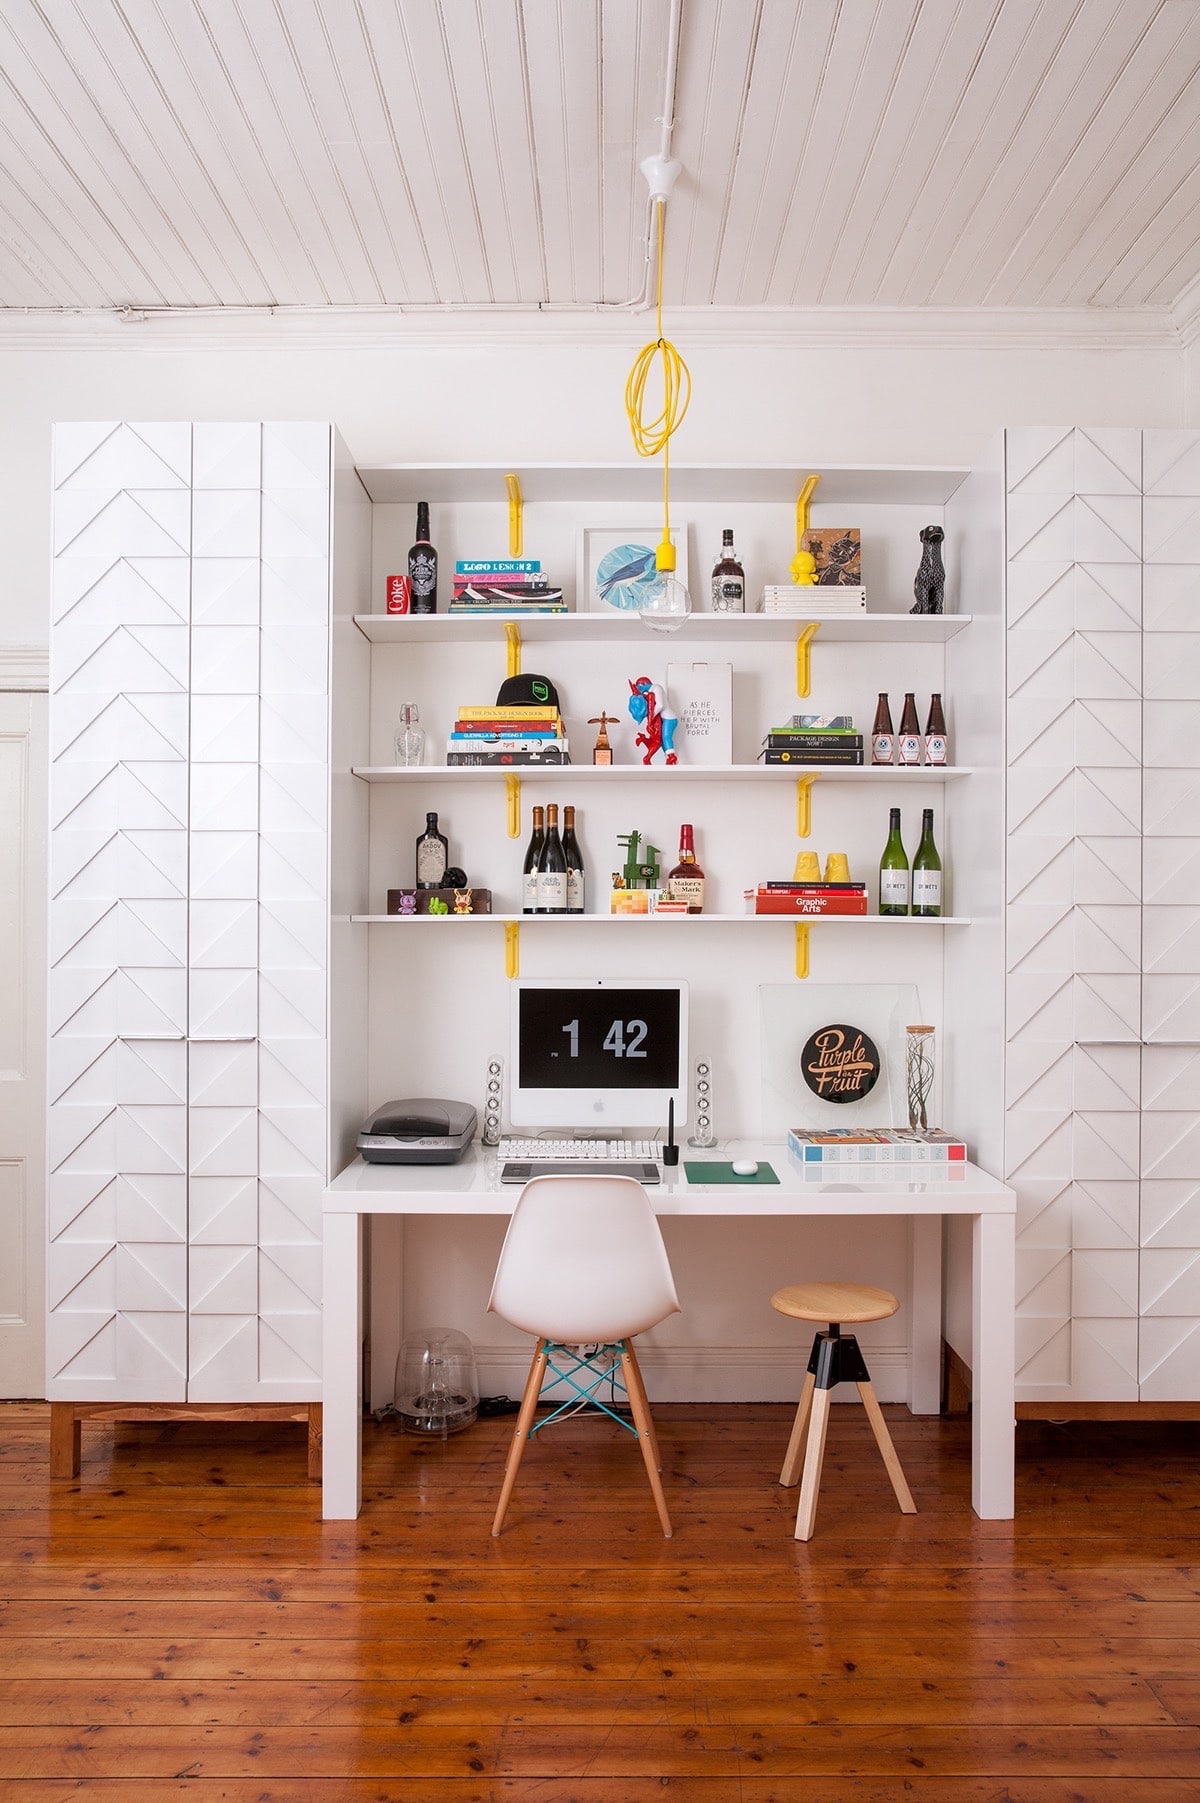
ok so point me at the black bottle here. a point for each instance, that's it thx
(423, 566)
(537, 839)
(552, 868)
(433, 855)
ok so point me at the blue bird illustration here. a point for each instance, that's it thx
(622, 571)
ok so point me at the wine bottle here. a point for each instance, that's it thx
(537, 839)
(574, 857)
(433, 855)
(686, 881)
(728, 579)
(883, 738)
(927, 872)
(423, 566)
(893, 870)
(912, 743)
(552, 868)
(937, 749)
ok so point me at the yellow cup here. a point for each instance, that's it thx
(808, 868)
(837, 867)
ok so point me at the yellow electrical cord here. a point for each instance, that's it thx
(652, 436)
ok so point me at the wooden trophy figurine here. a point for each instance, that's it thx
(602, 750)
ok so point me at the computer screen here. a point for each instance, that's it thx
(599, 1054)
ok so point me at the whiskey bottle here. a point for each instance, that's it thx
(433, 855)
(686, 881)
(936, 743)
(423, 566)
(912, 742)
(728, 580)
(927, 872)
(883, 738)
(893, 870)
(537, 839)
(552, 868)
(574, 857)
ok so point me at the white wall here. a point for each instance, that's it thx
(540, 388)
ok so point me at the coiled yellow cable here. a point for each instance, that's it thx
(652, 436)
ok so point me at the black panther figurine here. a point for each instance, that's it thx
(930, 585)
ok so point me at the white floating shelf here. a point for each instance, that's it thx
(675, 773)
(723, 629)
(571, 920)
(594, 483)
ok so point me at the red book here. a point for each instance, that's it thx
(783, 901)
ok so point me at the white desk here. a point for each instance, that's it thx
(924, 1194)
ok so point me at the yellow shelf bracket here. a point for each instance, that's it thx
(512, 948)
(512, 805)
(516, 521)
(803, 566)
(804, 786)
(512, 634)
(803, 660)
(802, 949)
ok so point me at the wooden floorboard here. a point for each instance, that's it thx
(178, 1621)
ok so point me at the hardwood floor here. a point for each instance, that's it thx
(179, 1622)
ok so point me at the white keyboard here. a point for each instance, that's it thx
(556, 1150)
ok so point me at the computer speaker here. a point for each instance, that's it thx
(702, 1127)
(493, 1102)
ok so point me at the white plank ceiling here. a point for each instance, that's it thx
(484, 153)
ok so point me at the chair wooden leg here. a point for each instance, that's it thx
(884, 1441)
(646, 1437)
(529, 1402)
(814, 1458)
(649, 1417)
(793, 1458)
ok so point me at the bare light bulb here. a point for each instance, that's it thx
(664, 603)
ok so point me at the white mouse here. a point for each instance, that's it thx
(744, 1167)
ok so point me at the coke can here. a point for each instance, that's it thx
(399, 595)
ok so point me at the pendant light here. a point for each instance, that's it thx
(664, 603)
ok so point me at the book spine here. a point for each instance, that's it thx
(510, 729)
(791, 888)
(528, 715)
(553, 755)
(876, 1154)
(771, 756)
(464, 739)
(810, 904)
(781, 739)
(497, 566)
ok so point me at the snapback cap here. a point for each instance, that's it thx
(527, 691)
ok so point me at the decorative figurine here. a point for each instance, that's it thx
(637, 873)
(930, 585)
(408, 902)
(649, 709)
(438, 906)
(462, 901)
(602, 750)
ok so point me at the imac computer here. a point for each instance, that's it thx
(599, 1055)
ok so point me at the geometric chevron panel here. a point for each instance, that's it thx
(189, 909)
(1073, 921)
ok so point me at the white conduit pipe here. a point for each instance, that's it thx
(660, 170)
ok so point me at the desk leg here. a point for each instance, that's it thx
(925, 1315)
(341, 1489)
(993, 1404)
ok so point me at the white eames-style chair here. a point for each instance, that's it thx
(583, 1268)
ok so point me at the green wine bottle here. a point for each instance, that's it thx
(893, 870)
(927, 872)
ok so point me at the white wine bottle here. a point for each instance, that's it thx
(927, 872)
(893, 870)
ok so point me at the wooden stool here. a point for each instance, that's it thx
(835, 1358)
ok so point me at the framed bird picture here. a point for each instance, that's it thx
(615, 565)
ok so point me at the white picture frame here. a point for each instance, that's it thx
(601, 593)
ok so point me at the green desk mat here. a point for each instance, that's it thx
(720, 1170)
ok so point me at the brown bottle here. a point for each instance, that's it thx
(912, 741)
(686, 881)
(883, 738)
(936, 744)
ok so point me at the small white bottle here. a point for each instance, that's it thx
(410, 736)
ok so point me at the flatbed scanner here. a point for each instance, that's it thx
(421, 1130)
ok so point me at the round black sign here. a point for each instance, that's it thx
(840, 1064)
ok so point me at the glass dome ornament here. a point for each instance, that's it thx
(437, 1391)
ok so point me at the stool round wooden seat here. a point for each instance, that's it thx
(835, 1358)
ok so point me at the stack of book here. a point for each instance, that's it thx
(876, 1145)
(813, 739)
(818, 601)
(508, 735)
(803, 899)
(509, 585)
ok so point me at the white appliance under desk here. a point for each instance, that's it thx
(924, 1194)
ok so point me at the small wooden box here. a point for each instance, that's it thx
(416, 901)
